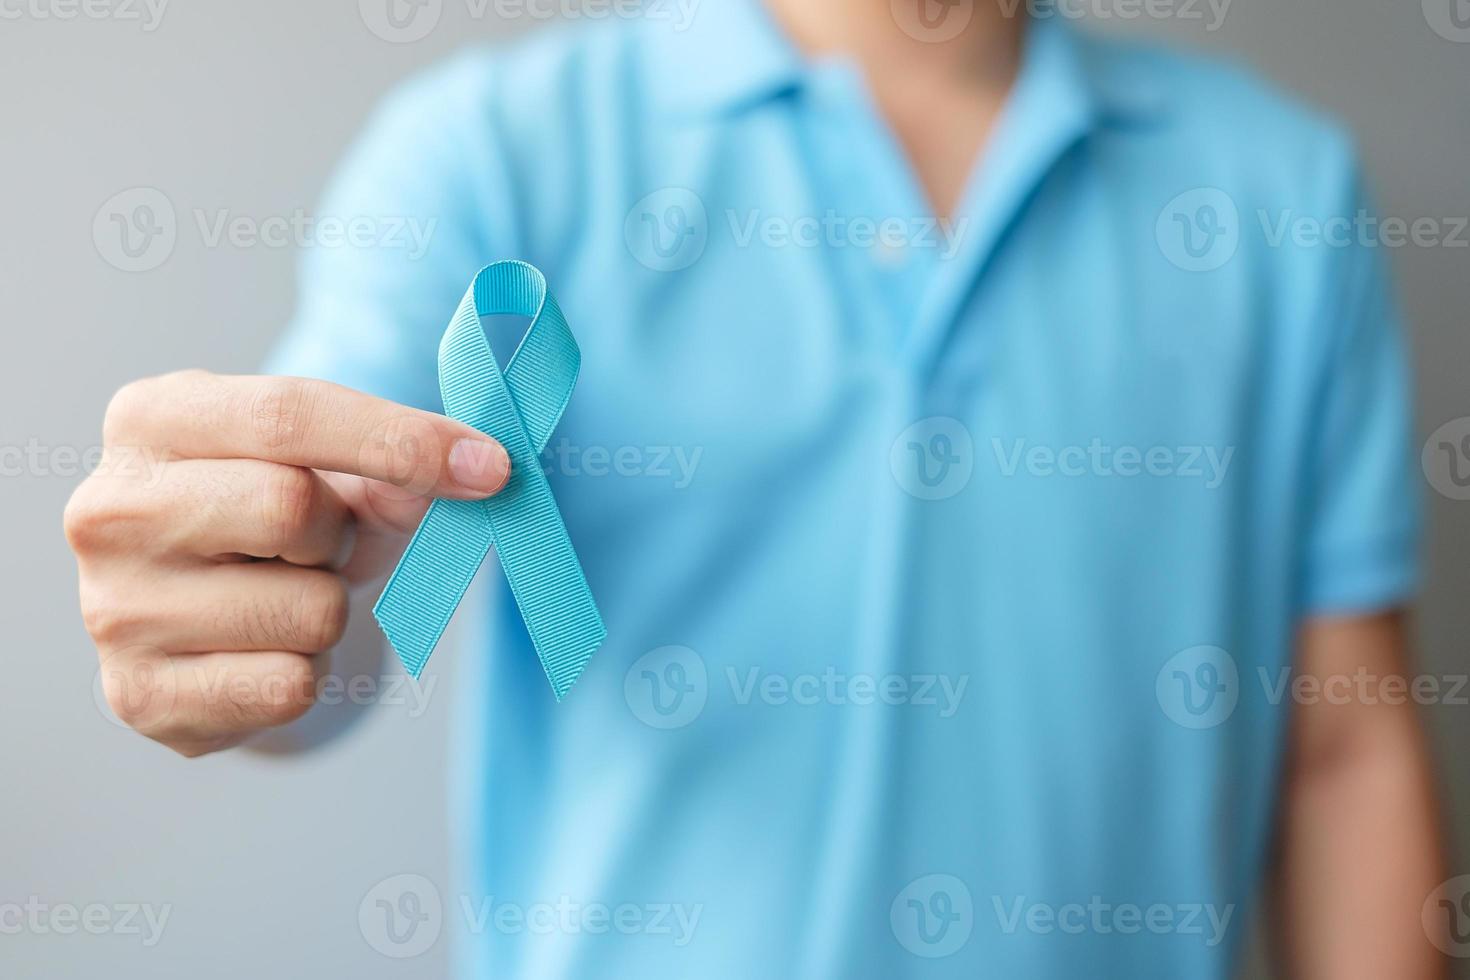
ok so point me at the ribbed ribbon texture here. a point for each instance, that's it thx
(520, 408)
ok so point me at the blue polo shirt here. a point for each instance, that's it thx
(950, 569)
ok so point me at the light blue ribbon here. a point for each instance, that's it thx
(520, 408)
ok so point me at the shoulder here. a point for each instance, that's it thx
(544, 78)
(513, 140)
(1256, 199)
(1220, 116)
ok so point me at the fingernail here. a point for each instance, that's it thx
(479, 465)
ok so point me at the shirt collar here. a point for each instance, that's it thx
(1101, 79)
(732, 55)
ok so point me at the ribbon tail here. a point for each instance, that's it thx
(431, 579)
(545, 577)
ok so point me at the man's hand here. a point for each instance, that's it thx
(217, 538)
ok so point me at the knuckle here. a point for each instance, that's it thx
(111, 516)
(108, 621)
(98, 619)
(287, 691)
(138, 689)
(322, 613)
(410, 451)
(125, 408)
(124, 700)
(278, 407)
(121, 698)
(290, 498)
(88, 518)
(134, 401)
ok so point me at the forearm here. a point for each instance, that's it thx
(1360, 846)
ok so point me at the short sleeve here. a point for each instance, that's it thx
(411, 220)
(1363, 502)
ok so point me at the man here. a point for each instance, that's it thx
(961, 469)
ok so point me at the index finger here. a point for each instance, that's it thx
(305, 422)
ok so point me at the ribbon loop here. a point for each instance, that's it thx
(520, 408)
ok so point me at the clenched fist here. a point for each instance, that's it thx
(213, 579)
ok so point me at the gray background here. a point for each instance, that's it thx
(264, 859)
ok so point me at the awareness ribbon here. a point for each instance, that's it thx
(520, 408)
